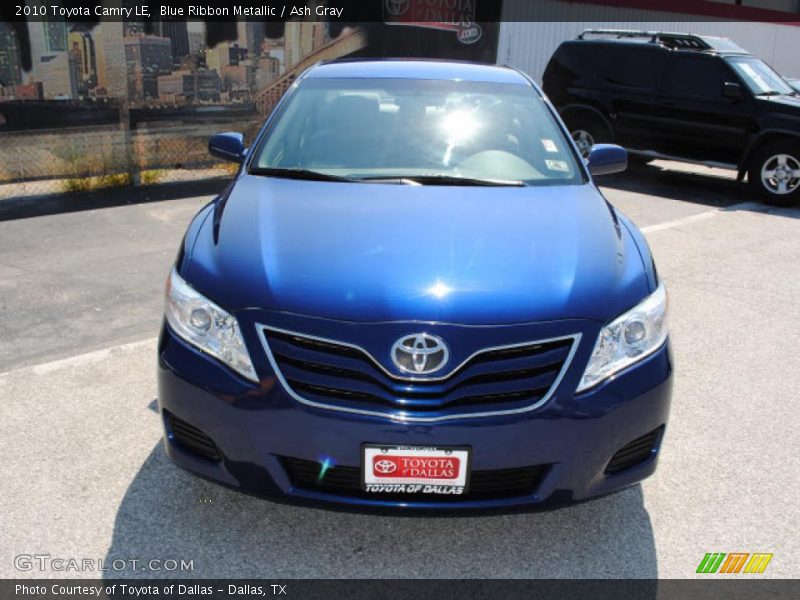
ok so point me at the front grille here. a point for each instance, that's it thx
(633, 453)
(346, 481)
(339, 375)
(191, 438)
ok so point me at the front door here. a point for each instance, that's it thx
(700, 123)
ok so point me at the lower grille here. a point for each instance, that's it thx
(191, 439)
(346, 481)
(634, 453)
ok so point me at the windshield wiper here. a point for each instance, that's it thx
(770, 93)
(306, 174)
(431, 179)
(435, 179)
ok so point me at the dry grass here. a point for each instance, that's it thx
(152, 176)
(85, 184)
(229, 167)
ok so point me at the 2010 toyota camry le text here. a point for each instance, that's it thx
(413, 296)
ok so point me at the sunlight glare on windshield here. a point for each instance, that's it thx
(459, 125)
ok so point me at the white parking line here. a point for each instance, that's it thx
(81, 359)
(682, 221)
(752, 206)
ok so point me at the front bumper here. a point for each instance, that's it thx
(256, 427)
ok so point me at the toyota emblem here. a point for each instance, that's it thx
(396, 8)
(385, 466)
(420, 353)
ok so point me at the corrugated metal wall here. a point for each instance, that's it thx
(527, 42)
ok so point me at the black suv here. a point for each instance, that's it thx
(682, 97)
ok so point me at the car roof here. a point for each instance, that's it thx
(416, 69)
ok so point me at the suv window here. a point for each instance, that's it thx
(639, 68)
(759, 76)
(699, 76)
(574, 61)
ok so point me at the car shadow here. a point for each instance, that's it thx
(715, 188)
(25, 207)
(167, 513)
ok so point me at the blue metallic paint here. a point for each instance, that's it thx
(367, 263)
(253, 425)
(227, 146)
(418, 69)
(376, 252)
(605, 159)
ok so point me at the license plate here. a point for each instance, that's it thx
(415, 469)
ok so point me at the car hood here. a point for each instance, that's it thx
(390, 252)
(785, 101)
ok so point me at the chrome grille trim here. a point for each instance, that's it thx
(403, 416)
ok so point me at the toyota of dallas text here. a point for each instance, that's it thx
(413, 296)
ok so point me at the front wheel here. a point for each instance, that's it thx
(774, 173)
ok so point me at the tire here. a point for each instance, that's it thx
(588, 131)
(774, 173)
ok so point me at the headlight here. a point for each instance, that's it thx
(628, 339)
(206, 326)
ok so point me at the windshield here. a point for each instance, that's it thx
(759, 76)
(431, 130)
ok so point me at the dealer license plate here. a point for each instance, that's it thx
(415, 469)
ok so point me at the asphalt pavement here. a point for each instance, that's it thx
(84, 475)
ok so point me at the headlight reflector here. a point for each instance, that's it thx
(206, 326)
(628, 339)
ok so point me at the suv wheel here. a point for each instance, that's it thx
(587, 132)
(774, 173)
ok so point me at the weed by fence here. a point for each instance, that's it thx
(33, 163)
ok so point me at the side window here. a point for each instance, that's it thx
(574, 61)
(698, 76)
(637, 68)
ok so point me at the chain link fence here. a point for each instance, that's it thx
(56, 162)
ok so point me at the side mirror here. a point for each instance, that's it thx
(227, 146)
(607, 158)
(732, 91)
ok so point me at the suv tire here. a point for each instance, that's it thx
(587, 131)
(774, 173)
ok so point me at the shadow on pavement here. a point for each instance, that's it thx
(707, 189)
(689, 186)
(168, 513)
(38, 206)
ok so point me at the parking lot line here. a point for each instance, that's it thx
(79, 360)
(682, 221)
(751, 206)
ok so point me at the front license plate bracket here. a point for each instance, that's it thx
(400, 469)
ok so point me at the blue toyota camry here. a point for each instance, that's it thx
(413, 295)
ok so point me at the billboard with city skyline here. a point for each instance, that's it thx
(162, 63)
(138, 96)
(156, 64)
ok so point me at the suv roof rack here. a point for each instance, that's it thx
(682, 41)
